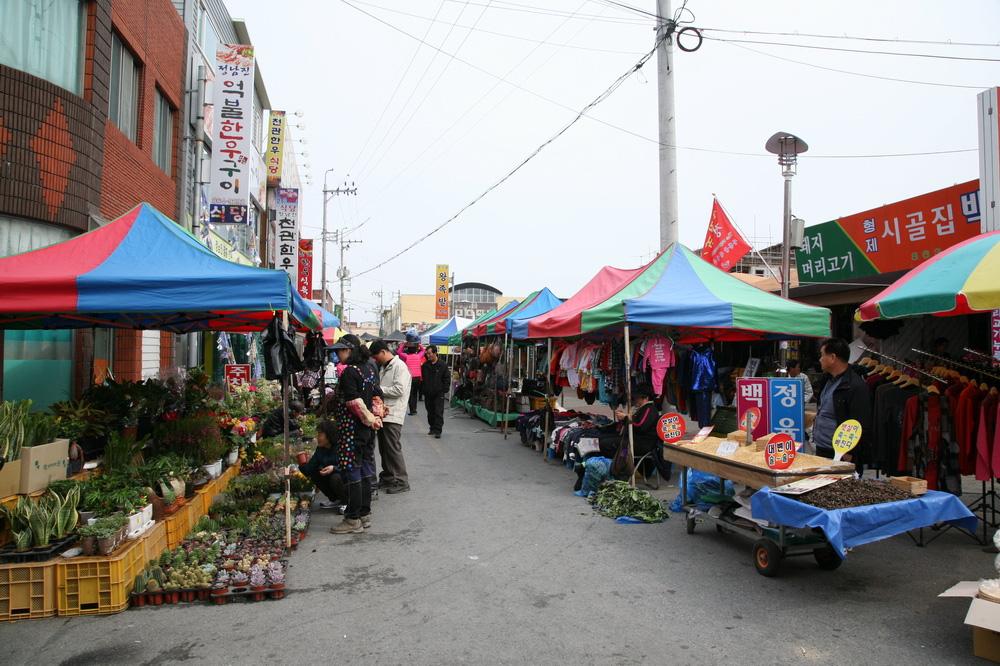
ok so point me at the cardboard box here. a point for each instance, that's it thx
(983, 617)
(10, 479)
(41, 465)
(986, 644)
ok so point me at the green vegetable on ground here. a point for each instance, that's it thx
(617, 498)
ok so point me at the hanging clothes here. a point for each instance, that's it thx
(985, 435)
(658, 358)
(966, 419)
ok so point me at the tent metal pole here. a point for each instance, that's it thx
(628, 405)
(548, 397)
(288, 452)
(509, 345)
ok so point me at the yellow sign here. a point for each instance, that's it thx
(846, 437)
(441, 292)
(275, 147)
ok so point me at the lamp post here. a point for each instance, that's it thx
(787, 147)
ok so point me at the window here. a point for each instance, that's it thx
(208, 39)
(44, 38)
(123, 108)
(163, 134)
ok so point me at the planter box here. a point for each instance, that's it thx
(41, 465)
(10, 479)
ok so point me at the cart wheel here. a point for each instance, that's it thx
(827, 558)
(690, 525)
(766, 557)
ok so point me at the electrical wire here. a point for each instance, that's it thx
(529, 9)
(818, 47)
(894, 40)
(582, 112)
(853, 73)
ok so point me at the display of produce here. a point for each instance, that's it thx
(854, 492)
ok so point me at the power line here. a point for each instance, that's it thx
(818, 47)
(529, 9)
(597, 100)
(895, 40)
(852, 73)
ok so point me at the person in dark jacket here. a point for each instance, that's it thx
(843, 394)
(644, 419)
(436, 383)
(274, 425)
(321, 467)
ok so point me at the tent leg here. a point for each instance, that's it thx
(628, 404)
(548, 397)
(509, 346)
(288, 451)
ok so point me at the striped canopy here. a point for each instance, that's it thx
(488, 326)
(457, 338)
(963, 279)
(440, 334)
(143, 271)
(680, 292)
(537, 303)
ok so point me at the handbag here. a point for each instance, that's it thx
(623, 466)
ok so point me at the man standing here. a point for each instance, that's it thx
(436, 382)
(394, 378)
(843, 395)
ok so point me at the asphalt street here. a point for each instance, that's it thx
(490, 558)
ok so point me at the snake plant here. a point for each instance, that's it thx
(40, 522)
(12, 428)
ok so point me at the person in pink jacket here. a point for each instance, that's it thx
(412, 353)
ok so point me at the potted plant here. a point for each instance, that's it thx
(139, 589)
(258, 582)
(220, 588)
(238, 581)
(276, 579)
(154, 592)
(88, 539)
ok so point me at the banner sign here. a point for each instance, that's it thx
(787, 411)
(753, 392)
(724, 245)
(275, 149)
(441, 292)
(891, 238)
(237, 374)
(995, 326)
(305, 278)
(286, 238)
(232, 146)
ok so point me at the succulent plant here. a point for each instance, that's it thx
(257, 578)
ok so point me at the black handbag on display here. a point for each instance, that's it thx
(280, 356)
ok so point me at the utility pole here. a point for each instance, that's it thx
(325, 236)
(381, 311)
(668, 132)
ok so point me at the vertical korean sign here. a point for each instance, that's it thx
(275, 149)
(995, 327)
(232, 147)
(286, 238)
(786, 408)
(753, 392)
(305, 280)
(441, 292)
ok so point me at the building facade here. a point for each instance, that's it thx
(469, 300)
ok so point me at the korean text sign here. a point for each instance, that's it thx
(754, 392)
(237, 374)
(895, 237)
(305, 274)
(275, 149)
(232, 145)
(441, 292)
(786, 408)
(286, 237)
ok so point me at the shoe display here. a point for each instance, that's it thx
(348, 526)
(398, 488)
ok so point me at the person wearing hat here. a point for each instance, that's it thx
(357, 410)
(395, 381)
(412, 353)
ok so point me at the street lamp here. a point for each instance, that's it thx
(787, 147)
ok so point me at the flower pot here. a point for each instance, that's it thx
(88, 545)
(85, 516)
(106, 545)
(203, 593)
(138, 600)
(234, 456)
(187, 595)
(155, 598)
(277, 590)
(302, 457)
(214, 470)
(258, 592)
(219, 595)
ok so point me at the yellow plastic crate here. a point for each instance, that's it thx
(154, 542)
(195, 511)
(99, 585)
(27, 591)
(178, 526)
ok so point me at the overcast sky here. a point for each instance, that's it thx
(591, 197)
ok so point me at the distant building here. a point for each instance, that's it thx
(469, 300)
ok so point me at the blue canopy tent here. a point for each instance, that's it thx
(440, 334)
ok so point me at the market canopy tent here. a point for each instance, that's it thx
(143, 271)
(537, 303)
(331, 323)
(457, 338)
(440, 334)
(963, 279)
(396, 336)
(681, 292)
(479, 330)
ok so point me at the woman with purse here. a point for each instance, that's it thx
(357, 410)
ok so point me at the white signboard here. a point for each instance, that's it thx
(286, 237)
(232, 146)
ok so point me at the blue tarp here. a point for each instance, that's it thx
(847, 528)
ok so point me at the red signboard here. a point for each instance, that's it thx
(753, 392)
(305, 279)
(780, 451)
(671, 427)
(237, 374)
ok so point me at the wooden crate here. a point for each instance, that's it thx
(910, 484)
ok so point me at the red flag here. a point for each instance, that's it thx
(724, 245)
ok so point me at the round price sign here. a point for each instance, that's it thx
(750, 419)
(671, 427)
(780, 451)
(845, 437)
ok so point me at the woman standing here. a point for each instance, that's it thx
(357, 414)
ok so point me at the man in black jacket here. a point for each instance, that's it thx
(436, 383)
(843, 394)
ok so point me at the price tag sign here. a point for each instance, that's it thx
(780, 451)
(845, 437)
(727, 448)
(671, 427)
(703, 434)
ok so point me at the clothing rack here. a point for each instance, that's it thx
(986, 357)
(898, 362)
(948, 361)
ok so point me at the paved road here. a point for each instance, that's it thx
(491, 559)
